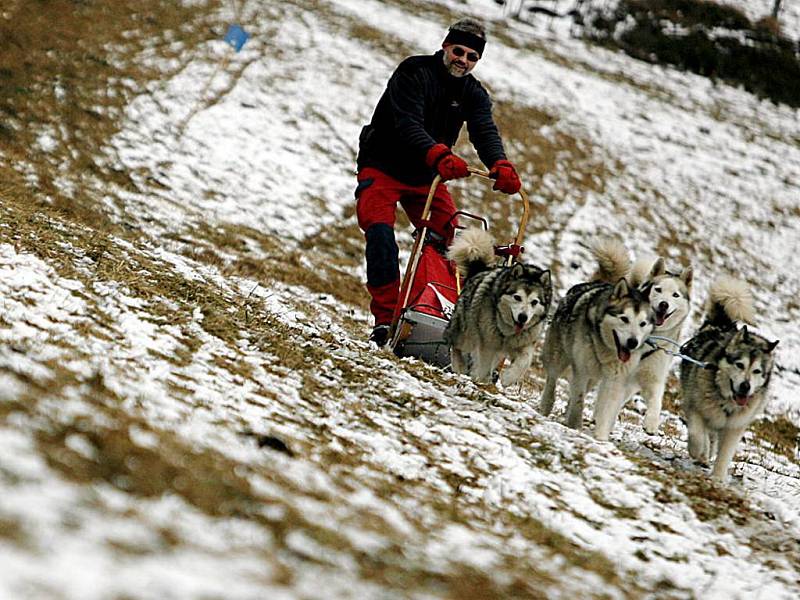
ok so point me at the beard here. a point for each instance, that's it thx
(456, 69)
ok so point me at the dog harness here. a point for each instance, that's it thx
(651, 340)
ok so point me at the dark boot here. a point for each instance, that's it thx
(379, 335)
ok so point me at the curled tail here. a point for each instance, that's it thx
(613, 262)
(472, 251)
(729, 301)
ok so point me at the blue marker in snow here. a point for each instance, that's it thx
(236, 37)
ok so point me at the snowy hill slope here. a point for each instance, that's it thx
(188, 407)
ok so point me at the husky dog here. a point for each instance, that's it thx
(723, 398)
(499, 312)
(669, 295)
(598, 332)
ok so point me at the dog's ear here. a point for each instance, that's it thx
(737, 338)
(657, 269)
(771, 346)
(621, 289)
(544, 278)
(687, 276)
(517, 269)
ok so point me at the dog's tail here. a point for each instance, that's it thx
(472, 251)
(729, 301)
(613, 262)
(644, 269)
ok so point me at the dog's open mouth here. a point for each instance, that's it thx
(662, 316)
(740, 399)
(622, 352)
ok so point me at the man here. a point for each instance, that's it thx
(414, 126)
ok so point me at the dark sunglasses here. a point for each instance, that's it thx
(471, 56)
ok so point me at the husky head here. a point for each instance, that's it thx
(745, 367)
(525, 296)
(668, 294)
(627, 321)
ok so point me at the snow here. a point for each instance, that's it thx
(275, 151)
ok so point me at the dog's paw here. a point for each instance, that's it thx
(508, 379)
(719, 477)
(651, 426)
(513, 373)
(601, 436)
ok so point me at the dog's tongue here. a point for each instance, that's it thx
(660, 318)
(623, 354)
(741, 400)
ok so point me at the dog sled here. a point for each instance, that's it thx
(431, 285)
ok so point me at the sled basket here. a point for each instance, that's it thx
(424, 339)
(421, 324)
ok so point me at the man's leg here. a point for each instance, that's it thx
(383, 271)
(375, 209)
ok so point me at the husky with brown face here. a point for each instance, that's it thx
(499, 313)
(670, 296)
(598, 335)
(722, 398)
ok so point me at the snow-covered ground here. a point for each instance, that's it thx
(139, 475)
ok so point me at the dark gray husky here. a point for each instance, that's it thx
(722, 398)
(499, 312)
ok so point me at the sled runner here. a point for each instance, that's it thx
(430, 288)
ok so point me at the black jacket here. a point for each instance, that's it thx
(424, 105)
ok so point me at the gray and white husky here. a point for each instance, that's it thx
(722, 399)
(669, 293)
(598, 333)
(499, 312)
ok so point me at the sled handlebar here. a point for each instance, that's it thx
(523, 222)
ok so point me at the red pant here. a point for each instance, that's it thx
(378, 195)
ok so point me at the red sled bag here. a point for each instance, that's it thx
(433, 290)
(430, 306)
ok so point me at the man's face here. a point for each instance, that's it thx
(459, 60)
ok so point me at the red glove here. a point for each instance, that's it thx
(447, 164)
(505, 176)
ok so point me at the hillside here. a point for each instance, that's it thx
(188, 404)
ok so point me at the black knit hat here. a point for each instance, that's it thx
(459, 34)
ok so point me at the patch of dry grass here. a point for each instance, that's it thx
(32, 230)
(322, 263)
(13, 532)
(781, 434)
(68, 85)
(379, 41)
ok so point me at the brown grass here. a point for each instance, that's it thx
(782, 434)
(319, 263)
(709, 500)
(67, 84)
